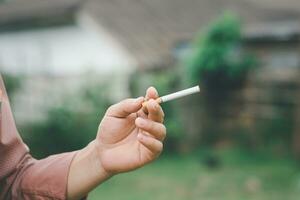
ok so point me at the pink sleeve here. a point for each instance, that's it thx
(44, 179)
(21, 176)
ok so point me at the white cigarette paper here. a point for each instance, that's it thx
(180, 94)
(177, 95)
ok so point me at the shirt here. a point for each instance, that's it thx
(22, 176)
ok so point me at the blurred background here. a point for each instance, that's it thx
(65, 61)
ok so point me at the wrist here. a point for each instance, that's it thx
(86, 172)
(95, 159)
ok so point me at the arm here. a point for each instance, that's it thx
(128, 138)
(72, 175)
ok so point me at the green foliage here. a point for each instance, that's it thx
(70, 126)
(166, 83)
(217, 54)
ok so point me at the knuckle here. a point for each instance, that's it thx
(110, 108)
(160, 147)
(162, 119)
(164, 130)
(126, 101)
(162, 114)
(161, 132)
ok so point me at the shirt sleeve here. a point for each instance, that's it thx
(21, 176)
(44, 179)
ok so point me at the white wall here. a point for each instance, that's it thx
(61, 50)
(53, 61)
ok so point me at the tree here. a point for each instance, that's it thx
(218, 59)
(219, 64)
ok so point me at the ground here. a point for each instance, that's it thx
(239, 176)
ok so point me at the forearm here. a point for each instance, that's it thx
(86, 172)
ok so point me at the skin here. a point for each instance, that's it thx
(129, 137)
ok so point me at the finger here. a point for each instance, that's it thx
(156, 129)
(151, 93)
(154, 145)
(155, 111)
(125, 107)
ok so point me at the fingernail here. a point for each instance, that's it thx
(140, 121)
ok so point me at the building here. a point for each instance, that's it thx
(55, 42)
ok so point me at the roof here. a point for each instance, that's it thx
(19, 13)
(150, 29)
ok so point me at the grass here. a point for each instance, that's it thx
(240, 177)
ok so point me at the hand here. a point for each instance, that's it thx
(130, 136)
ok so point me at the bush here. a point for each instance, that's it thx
(217, 57)
(219, 64)
(70, 126)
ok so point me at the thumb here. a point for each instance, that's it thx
(125, 107)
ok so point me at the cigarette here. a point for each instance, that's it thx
(176, 95)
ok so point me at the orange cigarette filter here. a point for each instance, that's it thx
(176, 95)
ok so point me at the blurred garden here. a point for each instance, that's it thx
(235, 140)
